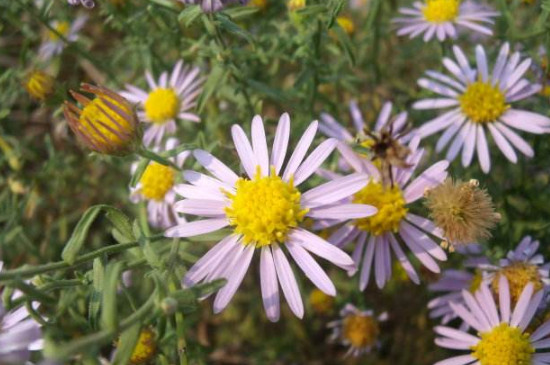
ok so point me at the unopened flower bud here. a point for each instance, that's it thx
(106, 124)
(39, 85)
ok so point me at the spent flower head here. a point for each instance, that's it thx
(463, 210)
(106, 124)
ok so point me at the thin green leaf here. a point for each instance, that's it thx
(216, 76)
(94, 304)
(189, 15)
(126, 345)
(79, 234)
(109, 317)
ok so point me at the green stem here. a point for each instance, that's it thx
(150, 155)
(62, 265)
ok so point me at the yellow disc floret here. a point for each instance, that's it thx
(519, 274)
(62, 28)
(390, 204)
(145, 348)
(264, 209)
(440, 11)
(156, 181)
(483, 102)
(103, 124)
(504, 345)
(360, 330)
(39, 85)
(162, 105)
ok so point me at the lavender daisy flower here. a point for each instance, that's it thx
(265, 210)
(452, 282)
(168, 100)
(157, 188)
(210, 6)
(375, 237)
(440, 18)
(19, 335)
(54, 44)
(481, 101)
(358, 330)
(521, 266)
(86, 3)
(501, 336)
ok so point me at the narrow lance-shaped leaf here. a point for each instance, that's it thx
(79, 234)
(126, 345)
(109, 317)
(94, 304)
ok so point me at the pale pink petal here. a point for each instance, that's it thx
(288, 282)
(314, 160)
(259, 144)
(364, 276)
(201, 207)
(234, 281)
(196, 228)
(334, 190)
(483, 150)
(280, 143)
(269, 285)
(300, 151)
(216, 167)
(343, 211)
(321, 248)
(244, 150)
(311, 268)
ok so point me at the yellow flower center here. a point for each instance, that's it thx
(61, 28)
(346, 23)
(360, 330)
(104, 121)
(162, 105)
(504, 345)
(264, 209)
(440, 11)
(483, 102)
(519, 275)
(156, 181)
(320, 302)
(145, 348)
(390, 204)
(39, 85)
